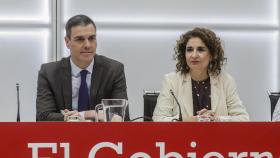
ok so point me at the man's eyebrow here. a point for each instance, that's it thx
(79, 37)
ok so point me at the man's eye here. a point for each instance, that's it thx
(79, 39)
(91, 39)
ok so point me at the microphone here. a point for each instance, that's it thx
(180, 112)
(18, 103)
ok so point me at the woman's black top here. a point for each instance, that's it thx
(201, 92)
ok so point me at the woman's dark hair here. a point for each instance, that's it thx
(212, 42)
(77, 20)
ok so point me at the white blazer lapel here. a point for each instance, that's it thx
(185, 92)
(215, 96)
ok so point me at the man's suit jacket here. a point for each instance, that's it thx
(224, 98)
(54, 89)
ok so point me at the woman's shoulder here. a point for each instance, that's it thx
(226, 75)
(224, 78)
(174, 76)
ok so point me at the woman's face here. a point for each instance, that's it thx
(197, 54)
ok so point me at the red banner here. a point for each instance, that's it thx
(140, 140)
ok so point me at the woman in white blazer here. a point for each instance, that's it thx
(199, 85)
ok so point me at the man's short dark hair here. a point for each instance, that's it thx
(77, 20)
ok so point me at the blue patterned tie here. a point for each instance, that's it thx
(83, 100)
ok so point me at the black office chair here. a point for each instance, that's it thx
(274, 97)
(150, 101)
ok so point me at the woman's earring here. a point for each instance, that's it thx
(210, 65)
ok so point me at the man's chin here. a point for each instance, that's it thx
(87, 56)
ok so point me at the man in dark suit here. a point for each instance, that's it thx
(59, 83)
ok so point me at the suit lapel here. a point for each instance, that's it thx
(96, 78)
(66, 83)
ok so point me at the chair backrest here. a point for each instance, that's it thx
(274, 97)
(150, 101)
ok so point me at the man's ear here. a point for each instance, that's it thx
(67, 41)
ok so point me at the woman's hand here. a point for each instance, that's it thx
(204, 113)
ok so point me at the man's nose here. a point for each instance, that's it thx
(87, 43)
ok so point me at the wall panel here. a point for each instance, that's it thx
(25, 33)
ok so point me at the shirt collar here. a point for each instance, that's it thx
(75, 70)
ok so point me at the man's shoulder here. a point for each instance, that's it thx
(106, 61)
(56, 65)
